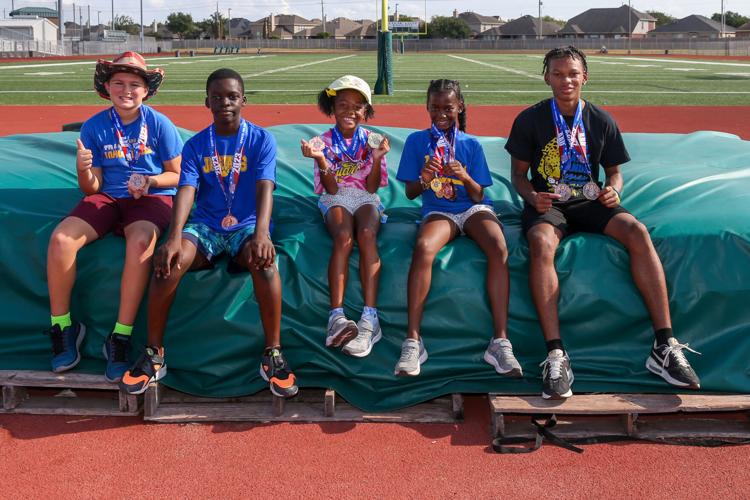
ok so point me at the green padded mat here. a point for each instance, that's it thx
(692, 192)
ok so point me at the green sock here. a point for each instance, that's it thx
(123, 329)
(64, 320)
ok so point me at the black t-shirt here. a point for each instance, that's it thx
(533, 139)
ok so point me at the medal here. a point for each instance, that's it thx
(591, 191)
(374, 140)
(436, 185)
(564, 191)
(228, 221)
(449, 191)
(316, 144)
(137, 182)
(234, 174)
(571, 142)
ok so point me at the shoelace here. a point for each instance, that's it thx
(56, 335)
(554, 365)
(119, 349)
(679, 356)
(409, 351)
(278, 362)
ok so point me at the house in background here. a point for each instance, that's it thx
(523, 27)
(694, 26)
(743, 31)
(615, 22)
(478, 23)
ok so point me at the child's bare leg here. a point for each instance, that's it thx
(434, 234)
(140, 241)
(162, 292)
(267, 287)
(340, 225)
(66, 240)
(367, 220)
(483, 228)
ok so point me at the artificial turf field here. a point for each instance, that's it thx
(488, 79)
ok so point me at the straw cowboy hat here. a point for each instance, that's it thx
(127, 62)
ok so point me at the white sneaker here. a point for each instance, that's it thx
(361, 345)
(340, 331)
(413, 354)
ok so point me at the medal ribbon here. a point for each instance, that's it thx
(234, 174)
(339, 147)
(571, 141)
(131, 154)
(442, 146)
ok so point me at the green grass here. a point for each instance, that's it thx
(492, 79)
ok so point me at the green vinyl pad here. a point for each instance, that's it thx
(691, 191)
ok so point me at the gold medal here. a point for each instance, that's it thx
(436, 185)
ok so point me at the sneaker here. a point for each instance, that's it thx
(275, 371)
(557, 377)
(413, 354)
(66, 344)
(150, 367)
(500, 355)
(116, 349)
(340, 331)
(361, 345)
(669, 362)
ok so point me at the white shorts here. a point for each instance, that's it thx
(461, 218)
(350, 199)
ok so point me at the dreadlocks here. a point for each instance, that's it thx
(562, 53)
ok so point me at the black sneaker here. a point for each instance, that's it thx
(150, 367)
(66, 345)
(669, 362)
(276, 372)
(557, 377)
(116, 349)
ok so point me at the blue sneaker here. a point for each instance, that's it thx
(66, 343)
(116, 349)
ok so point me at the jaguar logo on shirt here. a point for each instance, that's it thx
(549, 164)
(226, 164)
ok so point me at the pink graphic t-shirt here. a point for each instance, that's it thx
(349, 172)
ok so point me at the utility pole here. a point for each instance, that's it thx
(540, 19)
(323, 16)
(630, 29)
(60, 23)
(141, 26)
(230, 23)
(98, 20)
(113, 15)
(722, 19)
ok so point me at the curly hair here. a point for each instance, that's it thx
(325, 104)
(442, 86)
(562, 53)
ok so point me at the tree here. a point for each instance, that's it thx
(212, 24)
(661, 17)
(126, 23)
(181, 24)
(550, 19)
(448, 27)
(732, 19)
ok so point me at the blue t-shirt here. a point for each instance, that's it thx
(163, 143)
(258, 163)
(468, 152)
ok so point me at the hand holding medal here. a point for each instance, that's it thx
(379, 144)
(313, 148)
(138, 185)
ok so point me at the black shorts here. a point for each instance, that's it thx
(578, 215)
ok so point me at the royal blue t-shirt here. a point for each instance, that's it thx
(468, 152)
(258, 163)
(163, 143)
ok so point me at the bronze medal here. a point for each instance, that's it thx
(137, 182)
(228, 221)
(449, 191)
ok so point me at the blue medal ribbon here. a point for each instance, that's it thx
(571, 141)
(234, 174)
(442, 146)
(130, 154)
(340, 149)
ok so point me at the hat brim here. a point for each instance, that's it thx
(105, 70)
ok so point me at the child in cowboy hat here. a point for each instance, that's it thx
(128, 164)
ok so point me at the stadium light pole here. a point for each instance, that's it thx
(141, 26)
(540, 19)
(630, 29)
(112, 21)
(229, 20)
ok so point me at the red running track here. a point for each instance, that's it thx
(482, 120)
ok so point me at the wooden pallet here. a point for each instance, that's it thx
(47, 393)
(639, 416)
(162, 404)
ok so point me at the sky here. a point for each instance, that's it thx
(366, 9)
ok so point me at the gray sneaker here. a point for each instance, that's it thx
(361, 345)
(500, 355)
(340, 331)
(413, 354)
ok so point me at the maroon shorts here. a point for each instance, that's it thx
(106, 214)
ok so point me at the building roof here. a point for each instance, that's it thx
(526, 25)
(291, 20)
(473, 17)
(606, 20)
(744, 27)
(693, 24)
(34, 11)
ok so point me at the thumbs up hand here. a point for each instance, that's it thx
(83, 157)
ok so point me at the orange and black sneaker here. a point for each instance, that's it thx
(276, 372)
(150, 367)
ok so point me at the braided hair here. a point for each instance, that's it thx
(444, 85)
(563, 53)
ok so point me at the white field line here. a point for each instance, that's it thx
(674, 61)
(503, 68)
(403, 91)
(84, 63)
(287, 68)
